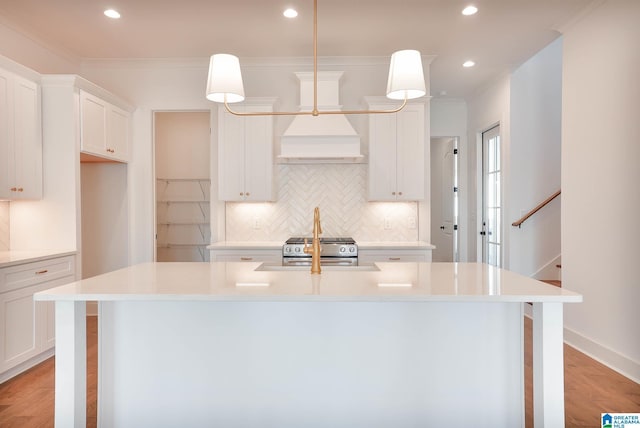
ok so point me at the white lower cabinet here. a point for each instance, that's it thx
(27, 327)
(390, 256)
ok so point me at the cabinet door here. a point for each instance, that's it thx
(272, 256)
(93, 124)
(230, 157)
(382, 156)
(7, 173)
(410, 149)
(245, 155)
(258, 159)
(27, 139)
(48, 333)
(20, 138)
(118, 133)
(19, 320)
(393, 256)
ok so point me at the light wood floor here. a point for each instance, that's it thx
(26, 401)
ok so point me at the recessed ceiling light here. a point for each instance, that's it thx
(290, 13)
(469, 10)
(468, 64)
(112, 13)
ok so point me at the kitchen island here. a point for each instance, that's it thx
(250, 344)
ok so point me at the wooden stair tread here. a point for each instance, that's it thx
(555, 282)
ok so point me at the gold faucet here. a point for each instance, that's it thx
(314, 250)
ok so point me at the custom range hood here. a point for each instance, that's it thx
(326, 138)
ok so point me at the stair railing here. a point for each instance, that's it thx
(535, 210)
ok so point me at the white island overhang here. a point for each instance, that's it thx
(245, 345)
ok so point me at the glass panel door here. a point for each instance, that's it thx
(491, 198)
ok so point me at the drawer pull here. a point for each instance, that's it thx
(40, 272)
(394, 258)
(246, 259)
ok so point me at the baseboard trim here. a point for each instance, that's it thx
(26, 365)
(615, 361)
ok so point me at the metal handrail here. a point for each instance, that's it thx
(536, 209)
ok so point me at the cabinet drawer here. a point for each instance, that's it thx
(394, 256)
(27, 274)
(229, 256)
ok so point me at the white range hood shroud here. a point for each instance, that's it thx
(323, 138)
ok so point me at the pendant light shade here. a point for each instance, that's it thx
(406, 78)
(225, 79)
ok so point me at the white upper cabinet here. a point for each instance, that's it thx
(245, 154)
(397, 153)
(20, 138)
(104, 128)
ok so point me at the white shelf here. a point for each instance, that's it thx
(183, 220)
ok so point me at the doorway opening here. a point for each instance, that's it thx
(182, 185)
(444, 199)
(491, 232)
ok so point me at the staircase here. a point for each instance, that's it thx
(555, 282)
(524, 218)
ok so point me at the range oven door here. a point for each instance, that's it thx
(324, 261)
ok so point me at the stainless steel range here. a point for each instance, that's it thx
(334, 252)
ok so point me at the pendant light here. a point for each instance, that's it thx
(405, 81)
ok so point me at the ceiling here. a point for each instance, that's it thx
(502, 35)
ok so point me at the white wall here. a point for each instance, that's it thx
(182, 144)
(536, 103)
(449, 119)
(600, 176)
(104, 217)
(488, 108)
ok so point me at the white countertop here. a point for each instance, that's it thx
(389, 282)
(364, 245)
(16, 257)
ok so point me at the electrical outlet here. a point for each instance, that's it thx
(256, 223)
(411, 222)
(387, 223)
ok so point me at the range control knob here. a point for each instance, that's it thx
(352, 249)
(343, 249)
(287, 249)
(297, 249)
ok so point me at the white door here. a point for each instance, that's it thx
(443, 199)
(491, 232)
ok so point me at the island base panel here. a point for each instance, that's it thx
(311, 364)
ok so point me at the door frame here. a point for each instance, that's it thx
(215, 211)
(504, 169)
(458, 218)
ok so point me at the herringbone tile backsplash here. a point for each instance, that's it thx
(339, 190)
(4, 226)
